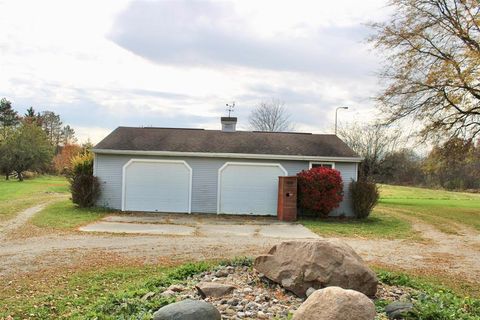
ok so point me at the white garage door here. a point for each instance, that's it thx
(156, 185)
(249, 188)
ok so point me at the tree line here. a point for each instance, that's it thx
(31, 142)
(452, 164)
(430, 78)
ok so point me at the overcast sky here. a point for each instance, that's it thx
(102, 64)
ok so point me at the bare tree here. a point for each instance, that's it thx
(432, 65)
(372, 142)
(271, 116)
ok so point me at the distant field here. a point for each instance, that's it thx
(16, 196)
(443, 209)
(399, 205)
(398, 192)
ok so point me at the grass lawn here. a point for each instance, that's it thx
(378, 225)
(16, 196)
(443, 209)
(65, 215)
(108, 293)
(399, 205)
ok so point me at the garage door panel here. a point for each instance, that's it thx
(249, 189)
(157, 186)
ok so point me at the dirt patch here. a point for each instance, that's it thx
(456, 254)
(31, 254)
(20, 220)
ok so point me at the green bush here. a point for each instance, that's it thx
(364, 195)
(82, 164)
(84, 186)
(85, 190)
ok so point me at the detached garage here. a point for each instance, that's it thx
(211, 171)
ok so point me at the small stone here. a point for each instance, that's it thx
(310, 291)
(221, 273)
(148, 295)
(230, 311)
(210, 289)
(222, 307)
(176, 288)
(248, 290)
(188, 310)
(398, 309)
(233, 302)
(167, 293)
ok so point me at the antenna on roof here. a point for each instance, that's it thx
(230, 108)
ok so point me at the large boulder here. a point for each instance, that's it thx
(188, 310)
(335, 303)
(299, 265)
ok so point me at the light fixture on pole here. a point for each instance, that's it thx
(336, 116)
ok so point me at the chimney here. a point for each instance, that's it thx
(229, 124)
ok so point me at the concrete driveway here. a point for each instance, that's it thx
(143, 239)
(200, 226)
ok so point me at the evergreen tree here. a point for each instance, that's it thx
(8, 118)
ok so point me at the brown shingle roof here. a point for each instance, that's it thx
(215, 141)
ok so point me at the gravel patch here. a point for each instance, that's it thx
(256, 297)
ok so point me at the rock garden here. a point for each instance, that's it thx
(299, 280)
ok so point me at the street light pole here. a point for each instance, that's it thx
(336, 116)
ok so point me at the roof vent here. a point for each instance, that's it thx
(229, 124)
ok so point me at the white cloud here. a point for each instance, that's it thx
(92, 134)
(58, 55)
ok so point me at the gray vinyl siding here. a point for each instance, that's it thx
(108, 168)
(348, 172)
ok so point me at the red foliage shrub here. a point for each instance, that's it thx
(320, 190)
